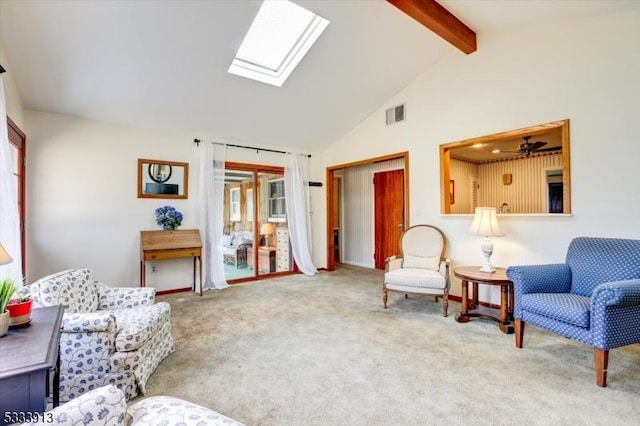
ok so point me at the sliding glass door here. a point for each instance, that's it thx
(256, 234)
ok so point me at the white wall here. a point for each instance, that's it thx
(82, 205)
(585, 70)
(12, 99)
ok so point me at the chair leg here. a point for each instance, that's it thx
(445, 302)
(519, 332)
(601, 358)
(385, 295)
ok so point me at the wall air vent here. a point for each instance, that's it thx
(395, 114)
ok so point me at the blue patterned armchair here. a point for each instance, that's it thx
(594, 297)
(109, 335)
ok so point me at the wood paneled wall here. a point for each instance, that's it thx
(463, 174)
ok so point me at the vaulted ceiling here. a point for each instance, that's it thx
(163, 64)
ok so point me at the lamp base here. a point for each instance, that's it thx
(487, 251)
(488, 270)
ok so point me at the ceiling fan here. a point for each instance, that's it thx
(527, 147)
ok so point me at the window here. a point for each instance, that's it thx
(234, 211)
(277, 211)
(279, 37)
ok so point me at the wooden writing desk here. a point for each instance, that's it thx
(176, 244)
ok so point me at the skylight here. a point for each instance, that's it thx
(279, 37)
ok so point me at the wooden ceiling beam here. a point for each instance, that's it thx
(439, 20)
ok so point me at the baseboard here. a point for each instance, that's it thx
(174, 290)
(240, 281)
(362, 265)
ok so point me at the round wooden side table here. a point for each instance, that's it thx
(472, 274)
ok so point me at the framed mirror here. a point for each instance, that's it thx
(522, 171)
(162, 179)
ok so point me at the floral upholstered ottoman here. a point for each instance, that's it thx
(169, 411)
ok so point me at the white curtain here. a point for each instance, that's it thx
(210, 212)
(9, 216)
(296, 190)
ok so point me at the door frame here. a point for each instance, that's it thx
(256, 169)
(18, 139)
(340, 201)
(546, 174)
(331, 264)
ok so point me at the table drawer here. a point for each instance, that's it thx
(171, 254)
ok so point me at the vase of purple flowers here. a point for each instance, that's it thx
(168, 217)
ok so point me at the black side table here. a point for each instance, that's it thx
(28, 356)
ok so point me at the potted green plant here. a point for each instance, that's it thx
(7, 288)
(19, 307)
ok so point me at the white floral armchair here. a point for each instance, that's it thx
(109, 335)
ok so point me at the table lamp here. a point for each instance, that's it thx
(485, 223)
(266, 229)
(4, 256)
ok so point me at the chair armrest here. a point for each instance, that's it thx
(243, 247)
(616, 293)
(85, 322)
(392, 262)
(551, 278)
(86, 342)
(124, 297)
(615, 309)
(445, 266)
(105, 405)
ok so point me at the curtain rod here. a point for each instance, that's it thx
(197, 142)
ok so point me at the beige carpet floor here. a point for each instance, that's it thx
(322, 351)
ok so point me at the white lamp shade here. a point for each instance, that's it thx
(485, 223)
(4, 256)
(266, 229)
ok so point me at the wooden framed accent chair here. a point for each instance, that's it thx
(594, 297)
(421, 267)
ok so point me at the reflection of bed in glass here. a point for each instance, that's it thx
(161, 188)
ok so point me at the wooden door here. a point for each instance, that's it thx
(388, 214)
